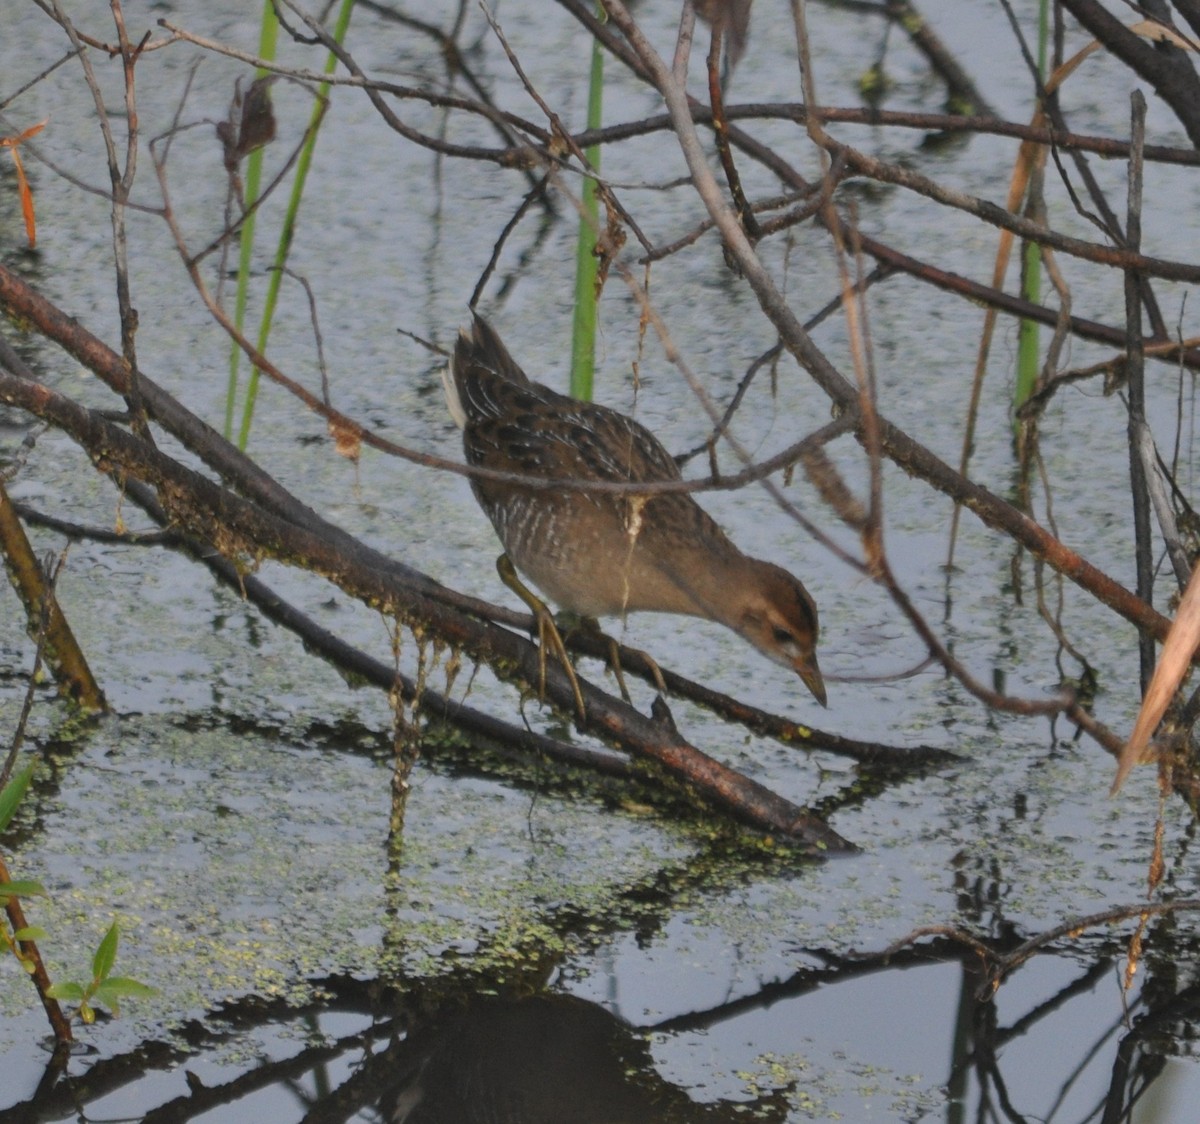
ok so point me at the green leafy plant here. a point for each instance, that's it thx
(10, 798)
(103, 988)
(11, 794)
(18, 937)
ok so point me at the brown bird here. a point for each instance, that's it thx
(603, 554)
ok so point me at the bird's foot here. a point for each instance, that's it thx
(613, 659)
(548, 633)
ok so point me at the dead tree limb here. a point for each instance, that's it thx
(250, 531)
(62, 652)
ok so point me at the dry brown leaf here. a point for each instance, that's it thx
(1160, 33)
(1181, 644)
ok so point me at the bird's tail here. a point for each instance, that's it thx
(479, 355)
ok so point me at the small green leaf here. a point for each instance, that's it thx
(25, 888)
(30, 933)
(106, 954)
(88, 1014)
(11, 794)
(71, 992)
(125, 987)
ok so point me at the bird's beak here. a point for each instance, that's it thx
(810, 673)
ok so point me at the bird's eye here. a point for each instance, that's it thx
(783, 636)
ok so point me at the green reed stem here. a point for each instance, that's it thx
(583, 338)
(267, 36)
(288, 230)
(1028, 360)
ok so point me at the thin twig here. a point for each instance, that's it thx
(1136, 368)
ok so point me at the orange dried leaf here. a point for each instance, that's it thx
(26, 200)
(1131, 964)
(1158, 863)
(345, 440)
(32, 131)
(12, 143)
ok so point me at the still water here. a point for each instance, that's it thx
(539, 941)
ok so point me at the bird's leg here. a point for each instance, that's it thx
(547, 631)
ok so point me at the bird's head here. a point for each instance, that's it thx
(779, 617)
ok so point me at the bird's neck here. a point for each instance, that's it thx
(712, 583)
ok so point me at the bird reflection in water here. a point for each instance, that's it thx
(545, 1060)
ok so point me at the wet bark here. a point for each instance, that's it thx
(43, 613)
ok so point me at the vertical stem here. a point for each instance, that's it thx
(1135, 360)
(1031, 260)
(289, 221)
(266, 50)
(583, 336)
(41, 980)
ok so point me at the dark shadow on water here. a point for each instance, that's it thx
(541, 1060)
(368, 1053)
